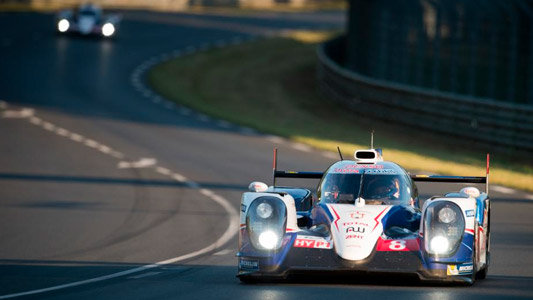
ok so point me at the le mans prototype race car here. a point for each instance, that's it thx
(88, 19)
(366, 219)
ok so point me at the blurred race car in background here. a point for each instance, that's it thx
(87, 19)
(366, 219)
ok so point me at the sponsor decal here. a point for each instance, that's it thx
(367, 171)
(355, 169)
(303, 241)
(355, 229)
(380, 171)
(463, 269)
(363, 166)
(243, 208)
(346, 171)
(354, 236)
(355, 223)
(357, 215)
(248, 264)
(397, 245)
(470, 213)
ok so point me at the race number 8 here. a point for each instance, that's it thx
(397, 245)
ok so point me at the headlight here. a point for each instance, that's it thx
(268, 239)
(444, 226)
(63, 25)
(108, 29)
(266, 221)
(264, 210)
(439, 245)
(446, 215)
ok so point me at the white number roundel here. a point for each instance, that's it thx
(397, 245)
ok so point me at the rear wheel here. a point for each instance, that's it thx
(482, 274)
(474, 266)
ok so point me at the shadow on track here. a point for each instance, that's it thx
(198, 282)
(117, 181)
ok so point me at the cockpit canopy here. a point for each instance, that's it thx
(89, 10)
(377, 183)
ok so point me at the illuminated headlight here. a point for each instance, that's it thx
(266, 221)
(264, 210)
(108, 29)
(63, 25)
(268, 239)
(447, 215)
(439, 245)
(444, 226)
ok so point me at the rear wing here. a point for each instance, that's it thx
(290, 174)
(457, 179)
(419, 178)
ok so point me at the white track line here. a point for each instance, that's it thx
(224, 252)
(301, 147)
(76, 137)
(36, 121)
(62, 131)
(230, 232)
(116, 154)
(163, 171)
(178, 177)
(275, 139)
(331, 155)
(144, 275)
(502, 189)
(91, 143)
(18, 114)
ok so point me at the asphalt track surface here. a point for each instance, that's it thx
(98, 182)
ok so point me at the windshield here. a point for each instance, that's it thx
(377, 188)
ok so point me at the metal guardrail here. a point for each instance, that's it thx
(479, 48)
(506, 126)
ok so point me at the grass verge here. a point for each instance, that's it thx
(260, 7)
(270, 85)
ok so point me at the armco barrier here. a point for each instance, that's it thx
(504, 126)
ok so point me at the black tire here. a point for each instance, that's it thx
(482, 274)
(474, 266)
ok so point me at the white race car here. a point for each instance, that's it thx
(366, 219)
(88, 19)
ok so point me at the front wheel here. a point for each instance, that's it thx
(248, 279)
